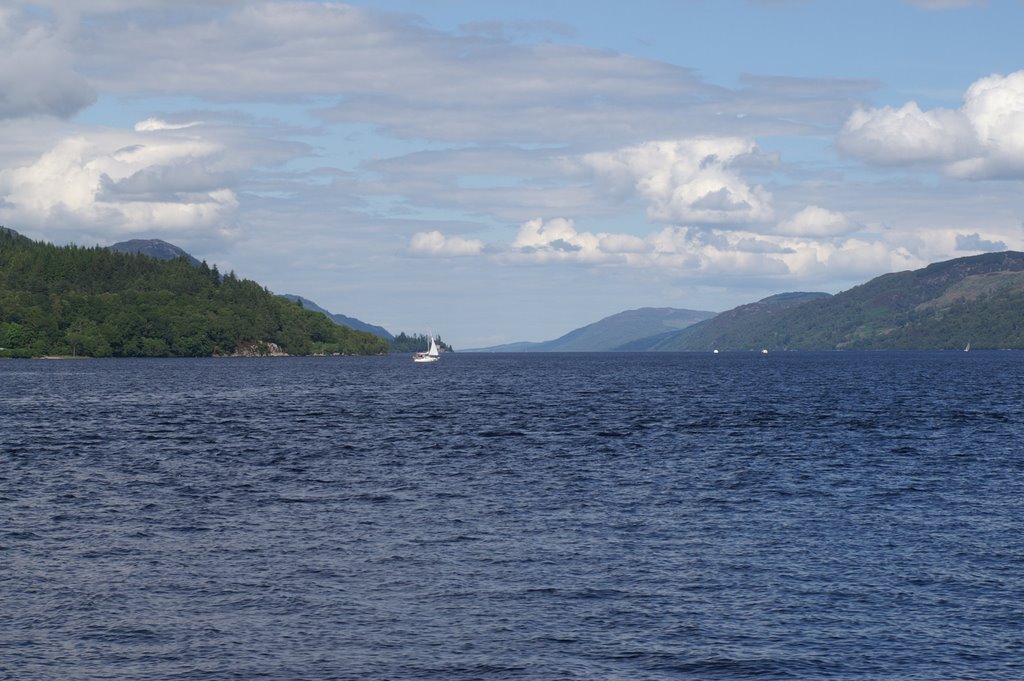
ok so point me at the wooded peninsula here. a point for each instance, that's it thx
(78, 301)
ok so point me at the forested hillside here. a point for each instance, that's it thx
(743, 327)
(946, 305)
(69, 300)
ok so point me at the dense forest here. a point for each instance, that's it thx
(75, 301)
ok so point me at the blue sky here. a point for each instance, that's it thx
(498, 172)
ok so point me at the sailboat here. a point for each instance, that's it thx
(968, 348)
(431, 355)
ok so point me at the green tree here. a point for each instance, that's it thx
(91, 301)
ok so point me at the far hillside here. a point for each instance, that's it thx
(944, 306)
(748, 327)
(615, 333)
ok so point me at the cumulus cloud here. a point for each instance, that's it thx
(542, 241)
(736, 255)
(982, 139)
(123, 182)
(889, 136)
(558, 240)
(693, 254)
(689, 180)
(815, 221)
(37, 74)
(437, 244)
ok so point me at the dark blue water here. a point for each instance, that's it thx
(805, 516)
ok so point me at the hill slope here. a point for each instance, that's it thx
(614, 333)
(744, 327)
(98, 302)
(344, 320)
(154, 248)
(162, 250)
(977, 299)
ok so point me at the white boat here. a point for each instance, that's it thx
(968, 348)
(431, 355)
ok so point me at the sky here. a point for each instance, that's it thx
(496, 172)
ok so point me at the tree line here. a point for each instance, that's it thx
(404, 342)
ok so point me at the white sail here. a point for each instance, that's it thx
(432, 354)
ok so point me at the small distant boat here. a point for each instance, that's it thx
(716, 352)
(431, 355)
(968, 348)
(764, 351)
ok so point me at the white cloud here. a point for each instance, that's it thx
(815, 221)
(984, 138)
(556, 240)
(623, 243)
(543, 241)
(436, 243)
(734, 257)
(695, 255)
(687, 180)
(155, 124)
(995, 107)
(122, 182)
(889, 136)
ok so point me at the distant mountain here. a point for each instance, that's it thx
(977, 299)
(154, 248)
(522, 346)
(614, 333)
(350, 322)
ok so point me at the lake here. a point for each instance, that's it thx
(514, 516)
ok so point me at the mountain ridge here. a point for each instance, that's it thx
(344, 320)
(945, 305)
(715, 332)
(613, 332)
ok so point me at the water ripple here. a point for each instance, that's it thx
(798, 516)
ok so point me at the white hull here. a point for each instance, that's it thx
(431, 355)
(424, 358)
